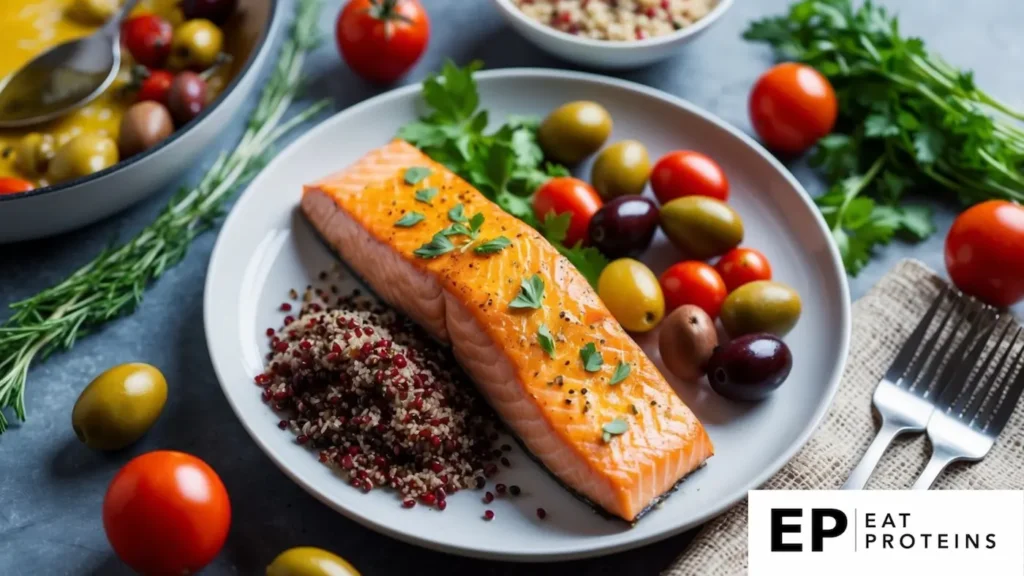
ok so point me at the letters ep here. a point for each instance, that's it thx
(782, 524)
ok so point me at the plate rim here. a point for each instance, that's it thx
(590, 550)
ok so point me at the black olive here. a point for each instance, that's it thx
(624, 226)
(750, 367)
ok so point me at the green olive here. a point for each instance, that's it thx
(33, 153)
(621, 169)
(195, 44)
(762, 306)
(308, 561)
(701, 227)
(574, 131)
(119, 406)
(632, 294)
(144, 125)
(93, 11)
(81, 156)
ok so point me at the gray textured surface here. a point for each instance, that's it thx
(51, 487)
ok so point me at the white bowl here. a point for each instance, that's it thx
(54, 209)
(606, 54)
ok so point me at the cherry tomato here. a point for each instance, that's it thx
(561, 195)
(984, 254)
(791, 107)
(155, 86)
(148, 39)
(10, 185)
(693, 282)
(166, 513)
(688, 173)
(381, 39)
(740, 266)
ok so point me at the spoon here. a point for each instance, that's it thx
(64, 77)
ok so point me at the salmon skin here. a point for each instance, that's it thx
(621, 445)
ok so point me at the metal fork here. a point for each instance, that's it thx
(904, 398)
(968, 419)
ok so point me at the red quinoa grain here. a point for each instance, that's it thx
(377, 400)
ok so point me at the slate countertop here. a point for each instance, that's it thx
(51, 487)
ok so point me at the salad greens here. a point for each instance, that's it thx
(506, 165)
(907, 121)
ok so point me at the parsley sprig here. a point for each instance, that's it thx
(506, 165)
(908, 121)
(531, 294)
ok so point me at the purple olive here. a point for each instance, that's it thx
(750, 367)
(624, 226)
(186, 97)
(216, 11)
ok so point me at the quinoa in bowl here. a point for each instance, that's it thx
(616, 20)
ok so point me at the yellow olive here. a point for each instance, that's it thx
(701, 227)
(308, 561)
(119, 406)
(195, 44)
(93, 11)
(33, 153)
(762, 306)
(81, 156)
(574, 131)
(621, 169)
(632, 293)
(143, 126)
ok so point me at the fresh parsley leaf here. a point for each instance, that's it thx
(592, 360)
(588, 260)
(616, 427)
(410, 219)
(457, 213)
(546, 341)
(620, 374)
(880, 126)
(438, 245)
(531, 294)
(491, 246)
(416, 174)
(556, 226)
(426, 195)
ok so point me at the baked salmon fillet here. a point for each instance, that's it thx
(622, 445)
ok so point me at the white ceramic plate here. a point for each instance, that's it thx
(266, 248)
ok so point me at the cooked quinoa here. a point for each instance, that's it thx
(375, 399)
(616, 19)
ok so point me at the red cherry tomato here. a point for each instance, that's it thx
(561, 195)
(742, 265)
(688, 173)
(148, 39)
(155, 86)
(985, 252)
(792, 106)
(166, 513)
(693, 282)
(381, 39)
(10, 185)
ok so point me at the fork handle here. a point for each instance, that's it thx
(936, 464)
(886, 434)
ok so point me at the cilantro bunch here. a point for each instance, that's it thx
(506, 165)
(907, 121)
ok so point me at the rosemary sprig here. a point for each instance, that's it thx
(113, 284)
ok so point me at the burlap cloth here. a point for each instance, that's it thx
(882, 320)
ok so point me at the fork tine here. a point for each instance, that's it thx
(934, 352)
(970, 404)
(1014, 389)
(959, 368)
(913, 343)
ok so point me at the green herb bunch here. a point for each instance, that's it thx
(506, 165)
(907, 121)
(113, 284)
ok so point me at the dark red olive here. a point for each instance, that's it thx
(186, 97)
(624, 226)
(750, 367)
(216, 11)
